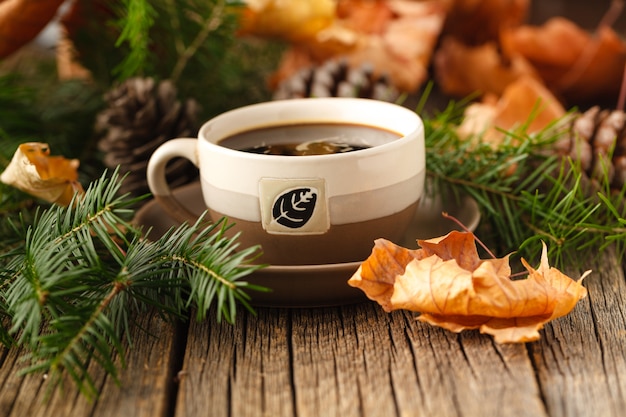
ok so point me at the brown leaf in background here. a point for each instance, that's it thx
(581, 67)
(462, 70)
(525, 100)
(34, 171)
(395, 37)
(479, 21)
(295, 21)
(453, 288)
(364, 16)
(22, 20)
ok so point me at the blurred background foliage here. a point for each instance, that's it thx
(195, 42)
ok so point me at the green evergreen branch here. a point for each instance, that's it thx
(210, 24)
(139, 18)
(84, 271)
(94, 338)
(172, 10)
(525, 193)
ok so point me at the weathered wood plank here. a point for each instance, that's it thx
(351, 361)
(581, 361)
(469, 375)
(336, 364)
(204, 386)
(241, 370)
(146, 382)
(390, 364)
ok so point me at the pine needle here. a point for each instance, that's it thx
(71, 292)
(135, 31)
(526, 193)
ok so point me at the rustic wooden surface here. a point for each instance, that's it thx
(355, 360)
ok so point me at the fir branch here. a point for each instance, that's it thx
(527, 193)
(84, 271)
(194, 44)
(210, 24)
(139, 18)
(213, 275)
(179, 42)
(61, 114)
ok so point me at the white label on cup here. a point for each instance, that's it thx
(294, 206)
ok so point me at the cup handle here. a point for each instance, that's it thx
(157, 182)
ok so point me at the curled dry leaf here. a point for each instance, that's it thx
(525, 100)
(575, 64)
(396, 37)
(579, 67)
(34, 171)
(462, 70)
(453, 288)
(295, 21)
(22, 20)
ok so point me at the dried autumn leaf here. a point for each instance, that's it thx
(453, 288)
(524, 100)
(462, 70)
(395, 37)
(22, 20)
(289, 20)
(364, 16)
(404, 49)
(580, 66)
(34, 171)
(68, 66)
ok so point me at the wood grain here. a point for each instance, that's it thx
(352, 361)
(241, 370)
(145, 390)
(581, 361)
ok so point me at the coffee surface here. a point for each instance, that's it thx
(308, 139)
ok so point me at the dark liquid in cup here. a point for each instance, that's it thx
(308, 139)
(314, 147)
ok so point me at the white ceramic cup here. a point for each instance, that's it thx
(347, 200)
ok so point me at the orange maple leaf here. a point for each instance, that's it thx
(453, 288)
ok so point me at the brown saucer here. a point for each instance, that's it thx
(316, 285)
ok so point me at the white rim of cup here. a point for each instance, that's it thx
(216, 147)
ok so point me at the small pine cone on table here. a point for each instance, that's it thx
(596, 139)
(335, 78)
(141, 115)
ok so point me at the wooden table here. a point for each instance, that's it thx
(356, 360)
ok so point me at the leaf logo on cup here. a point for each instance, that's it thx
(294, 206)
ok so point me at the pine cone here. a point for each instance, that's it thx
(596, 140)
(141, 115)
(335, 78)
